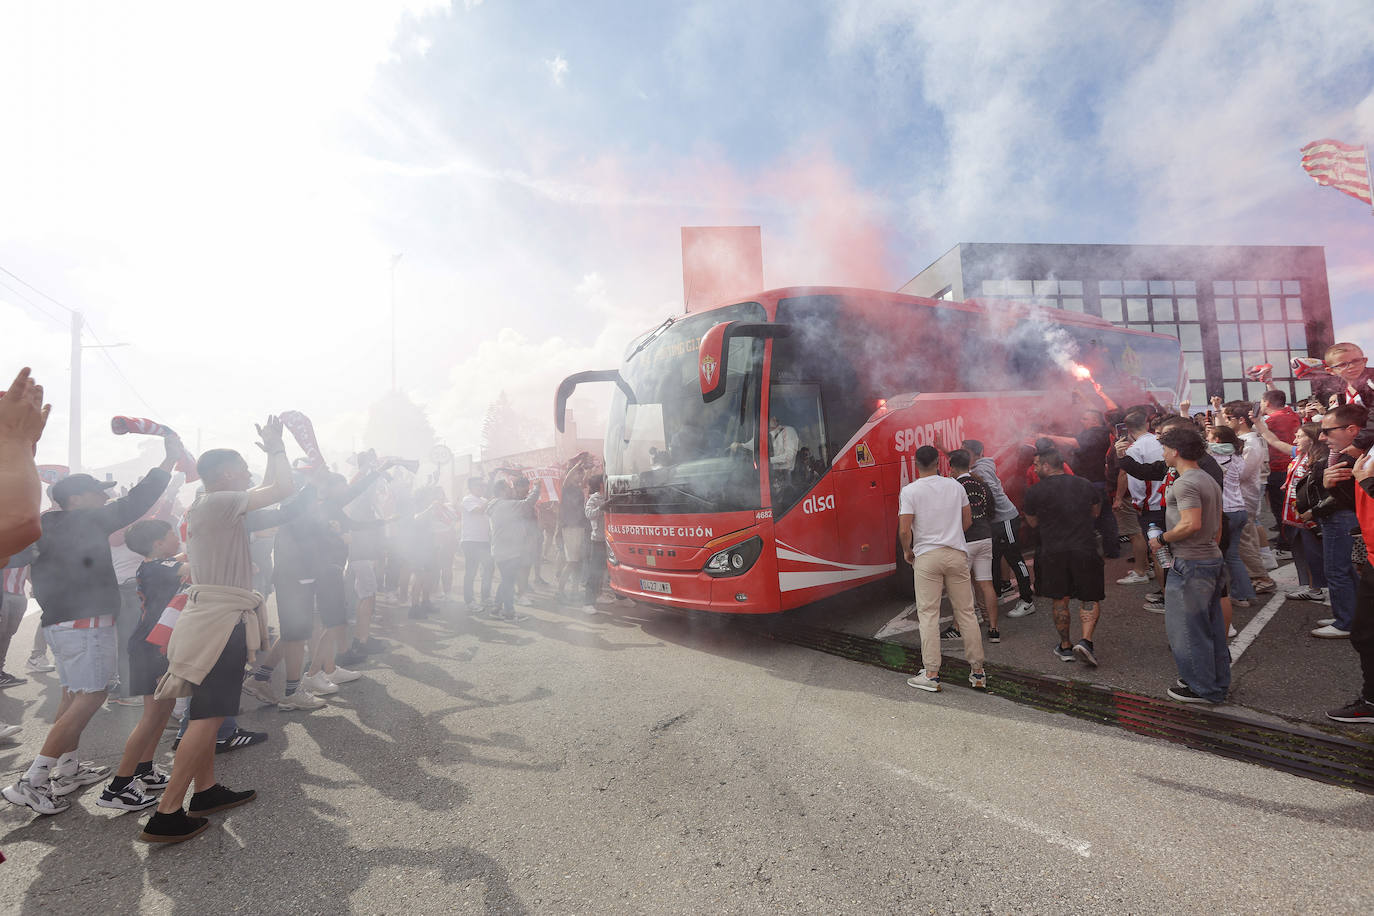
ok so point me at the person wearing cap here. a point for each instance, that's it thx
(74, 583)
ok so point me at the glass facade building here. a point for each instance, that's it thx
(1231, 307)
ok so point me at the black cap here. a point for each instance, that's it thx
(75, 484)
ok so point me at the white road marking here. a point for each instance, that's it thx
(1054, 837)
(1284, 576)
(1252, 629)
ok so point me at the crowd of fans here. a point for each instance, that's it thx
(1185, 492)
(148, 603)
(167, 607)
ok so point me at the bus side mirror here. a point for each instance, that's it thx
(715, 350)
(565, 390)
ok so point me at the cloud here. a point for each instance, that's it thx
(558, 69)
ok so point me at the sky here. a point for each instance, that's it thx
(223, 190)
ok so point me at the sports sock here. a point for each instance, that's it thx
(263, 673)
(144, 768)
(39, 770)
(66, 764)
(292, 686)
(120, 783)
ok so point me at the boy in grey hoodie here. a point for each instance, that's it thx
(1005, 521)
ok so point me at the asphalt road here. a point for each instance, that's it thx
(643, 762)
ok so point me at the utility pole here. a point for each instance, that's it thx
(74, 420)
(395, 259)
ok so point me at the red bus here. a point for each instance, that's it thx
(703, 514)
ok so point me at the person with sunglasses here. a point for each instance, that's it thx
(1329, 489)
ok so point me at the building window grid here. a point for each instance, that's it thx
(1259, 321)
(1056, 294)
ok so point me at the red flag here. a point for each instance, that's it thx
(1333, 164)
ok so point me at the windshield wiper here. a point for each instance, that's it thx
(653, 335)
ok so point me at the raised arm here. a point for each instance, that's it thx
(22, 418)
(276, 482)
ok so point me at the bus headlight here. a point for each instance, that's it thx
(736, 560)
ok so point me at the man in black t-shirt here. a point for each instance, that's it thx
(1089, 461)
(1068, 563)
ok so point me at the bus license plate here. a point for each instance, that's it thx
(649, 585)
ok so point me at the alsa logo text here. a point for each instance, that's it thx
(816, 504)
(950, 432)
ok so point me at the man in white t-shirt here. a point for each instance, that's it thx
(475, 540)
(933, 512)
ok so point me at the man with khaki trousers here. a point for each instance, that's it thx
(933, 512)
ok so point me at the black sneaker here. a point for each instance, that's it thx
(1359, 712)
(1084, 650)
(1185, 694)
(950, 633)
(994, 634)
(10, 680)
(351, 659)
(1064, 653)
(172, 828)
(373, 646)
(218, 798)
(130, 798)
(240, 738)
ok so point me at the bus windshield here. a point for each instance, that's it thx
(668, 452)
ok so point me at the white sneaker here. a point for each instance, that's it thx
(1268, 558)
(301, 699)
(1133, 578)
(1326, 621)
(1306, 593)
(39, 664)
(85, 774)
(922, 682)
(260, 691)
(9, 731)
(1231, 633)
(1022, 609)
(1331, 631)
(319, 685)
(590, 610)
(39, 798)
(341, 675)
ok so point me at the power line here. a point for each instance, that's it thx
(36, 289)
(33, 305)
(120, 372)
(85, 324)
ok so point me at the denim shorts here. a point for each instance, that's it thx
(86, 659)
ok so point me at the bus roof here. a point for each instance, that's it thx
(769, 300)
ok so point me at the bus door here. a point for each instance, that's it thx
(803, 494)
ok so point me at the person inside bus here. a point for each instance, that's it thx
(783, 444)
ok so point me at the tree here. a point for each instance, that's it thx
(505, 431)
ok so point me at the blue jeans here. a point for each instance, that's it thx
(1241, 586)
(1307, 552)
(1340, 572)
(1196, 629)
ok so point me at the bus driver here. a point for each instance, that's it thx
(782, 449)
